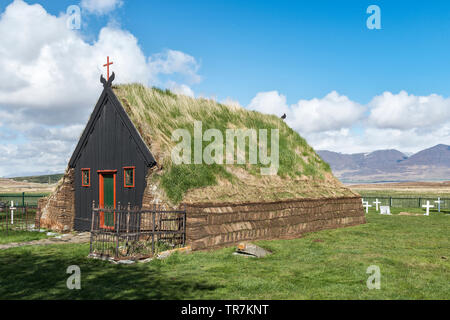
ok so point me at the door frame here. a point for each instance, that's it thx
(101, 195)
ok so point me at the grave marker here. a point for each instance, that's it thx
(12, 209)
(427, 206)
(376, 202)
(439, 204)
(367, 205)
(385, 210)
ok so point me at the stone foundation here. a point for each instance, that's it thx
(151, 194)
(57, 211)
(216, 225)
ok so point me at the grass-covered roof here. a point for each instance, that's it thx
(157, 113)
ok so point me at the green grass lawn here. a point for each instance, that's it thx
(20, 236)
(413, 254)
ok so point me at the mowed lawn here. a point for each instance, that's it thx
(412, 252)
(20, 236)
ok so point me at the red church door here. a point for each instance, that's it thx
(107, 198)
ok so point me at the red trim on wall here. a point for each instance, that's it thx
(82, 180)
(124, 177)
(102, 199)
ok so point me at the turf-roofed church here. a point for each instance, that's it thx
(124, 156)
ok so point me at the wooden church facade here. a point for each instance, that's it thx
(110, 162)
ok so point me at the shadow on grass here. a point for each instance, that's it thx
(32, 274)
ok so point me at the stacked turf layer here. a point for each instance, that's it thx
(156, 114)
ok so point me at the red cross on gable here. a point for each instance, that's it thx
(107, 66)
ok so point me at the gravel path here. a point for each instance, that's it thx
(61, 239)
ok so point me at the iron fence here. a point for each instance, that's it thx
(20, 218)
(408, 202)
(133, 233)
(22, 199)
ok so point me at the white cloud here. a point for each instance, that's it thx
(343, 140)
(173, 61)
(408, 140)
(50, 80)
(404, 111)
(100, 7)
(270, 102)
(395, 121)
(333, 112)
(182, 89)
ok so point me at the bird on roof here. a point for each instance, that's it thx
(283, 116)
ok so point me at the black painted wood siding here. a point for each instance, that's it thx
(109, 146)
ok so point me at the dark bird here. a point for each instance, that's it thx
(283, 116)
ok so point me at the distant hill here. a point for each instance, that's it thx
(438, 155)
(377, 159)
(49, 178)
(431, 164)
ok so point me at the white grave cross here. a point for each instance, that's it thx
(439, 204)
(367, 205)
(376, 202)
(12, 208)
(428, 206)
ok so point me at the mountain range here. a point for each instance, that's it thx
(432, 164)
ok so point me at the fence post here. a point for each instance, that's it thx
(118, 234)
(184, 226)
(23, 199)
(128, 219)
(26, 218)
(128, 222)
(390, 201)
(7, 223)
(92, 226)
(160, 225)
(137, 222)
(37, 219)
(420, 202)
(153, 229)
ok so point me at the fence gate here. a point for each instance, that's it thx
(133, 233)
(18, 218)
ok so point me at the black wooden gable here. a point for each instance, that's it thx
(109, 96)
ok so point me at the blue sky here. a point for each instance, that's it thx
(343, 86)
(303, 49)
